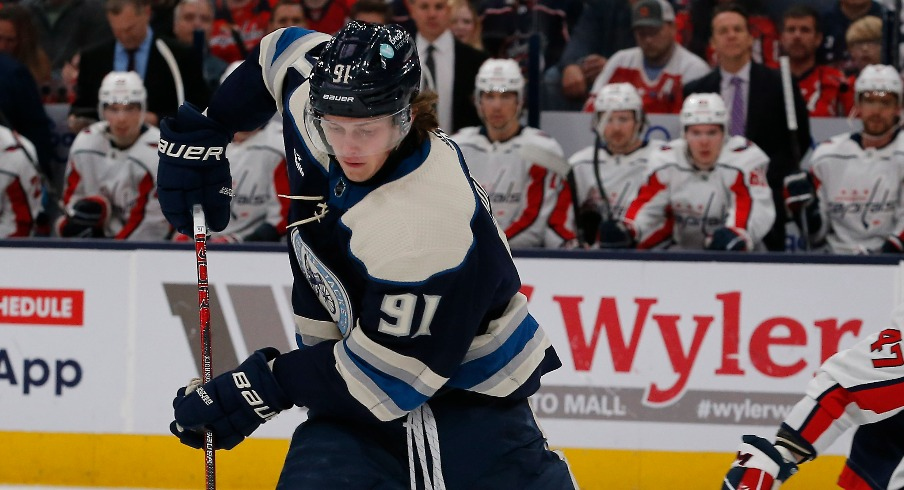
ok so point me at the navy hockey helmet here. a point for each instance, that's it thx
(366, 70)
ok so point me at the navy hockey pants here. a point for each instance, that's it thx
(485, 446)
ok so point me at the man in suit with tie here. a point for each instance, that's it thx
(171, 72)
(449, 67)
(741, 81)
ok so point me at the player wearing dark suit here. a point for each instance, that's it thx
(171, 68)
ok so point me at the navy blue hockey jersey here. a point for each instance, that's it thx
(404, 284)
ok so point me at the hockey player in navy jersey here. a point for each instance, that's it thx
(861, 388)
(416, 350)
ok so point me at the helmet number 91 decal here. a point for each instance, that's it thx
(341, 73)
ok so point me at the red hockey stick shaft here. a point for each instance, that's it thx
(200, 226)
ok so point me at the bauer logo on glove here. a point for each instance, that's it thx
(190, 152)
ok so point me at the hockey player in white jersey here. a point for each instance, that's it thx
(416, 351)
(605, 176)
(521, 168)
(259, 173)
(702, 191)
(20, 185)
(861, 388)
(110, 188)
(852, 199)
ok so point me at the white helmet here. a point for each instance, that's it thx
(878, 78)
(617, 97)
(703, 109)
(499, 75)
(121, 87)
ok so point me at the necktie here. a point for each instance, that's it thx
(431, 68)
(131, 54)
(738, 113)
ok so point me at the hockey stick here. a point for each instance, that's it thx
(204, 332)
(791, 118)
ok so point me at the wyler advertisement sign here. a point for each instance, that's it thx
(42, 307)
(688, 343)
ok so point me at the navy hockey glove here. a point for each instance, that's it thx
(615, 234)
(193, 169)
(730, 239)
(232, 405)
(798, 193)
(87, 220)
(759, 465)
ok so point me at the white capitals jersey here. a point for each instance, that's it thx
(127, 179)
(619, 175)
(20, 185)
(860, 388)
(259, 175)
(524, 178)
(680, 202)
(859, 191)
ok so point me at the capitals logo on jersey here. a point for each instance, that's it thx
(327, 287)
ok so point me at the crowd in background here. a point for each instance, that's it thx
(64, 52)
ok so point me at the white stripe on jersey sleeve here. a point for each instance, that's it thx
(313, 332)
(274, 70)
(363, 389)
(513, 375)
(404, 368)
(499, 330)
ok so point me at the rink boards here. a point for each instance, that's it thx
(667, 362)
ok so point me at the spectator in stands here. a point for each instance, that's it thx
(238, 27)
(371, 11)
(168, 69)
(20, 103)
(745, 86)
(825, 89)
(448, 65)
(658, 67)
(287, 13)
(326, 15)
(835, 23)
(603, 28)
(508, 24)
(522, 169)
(864, 41)
(465, 24)
(20, 185)
(605, 176)
(856, 206)
(196, 16)
(111, 179)
(19, 39)
(66, 27)
(704, 190)
(694, 31)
